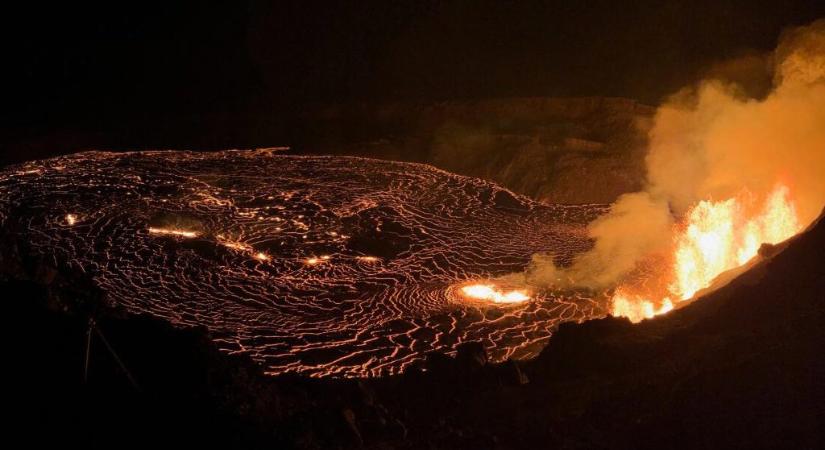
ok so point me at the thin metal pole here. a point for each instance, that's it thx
(117, 358)
(88, 350)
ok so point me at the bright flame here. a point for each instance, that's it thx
(488, 292)
(71, 219)
(720, 236)
(715, 237)
(261, 256)
(173, 232)
(636, 308)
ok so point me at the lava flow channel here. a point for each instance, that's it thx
(326, 266)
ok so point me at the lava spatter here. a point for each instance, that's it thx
(325, 266)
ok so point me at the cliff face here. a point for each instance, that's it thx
(576, 150)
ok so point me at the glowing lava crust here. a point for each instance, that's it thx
(326, 266)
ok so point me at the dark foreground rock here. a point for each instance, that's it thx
(741, 368)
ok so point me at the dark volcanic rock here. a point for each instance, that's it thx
(513, 373)
(562, 150)
(471, 355)
(741, 367)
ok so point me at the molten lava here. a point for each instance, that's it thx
(261, 256)
(173, 232)
(715, 237)
(323, 266)
(637, 308)
(489, 292)
(721, 236)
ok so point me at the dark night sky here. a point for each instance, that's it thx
(74, 65)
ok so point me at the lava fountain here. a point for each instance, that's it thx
(716, 236)
(732, 171)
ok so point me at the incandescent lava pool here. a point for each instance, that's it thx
(324, 266)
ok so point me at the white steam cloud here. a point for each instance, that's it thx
(711, 142)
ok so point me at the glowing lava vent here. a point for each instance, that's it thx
(715, 236)
(491, 293)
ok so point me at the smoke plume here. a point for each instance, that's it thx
(712, 141)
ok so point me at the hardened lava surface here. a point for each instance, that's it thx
(325, 266)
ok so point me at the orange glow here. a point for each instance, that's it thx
(71, 219)
(488, 292)
(317, 260)
(715, 237)
(240, 246)
(720, 236)
(173, 232)
(636, 308)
